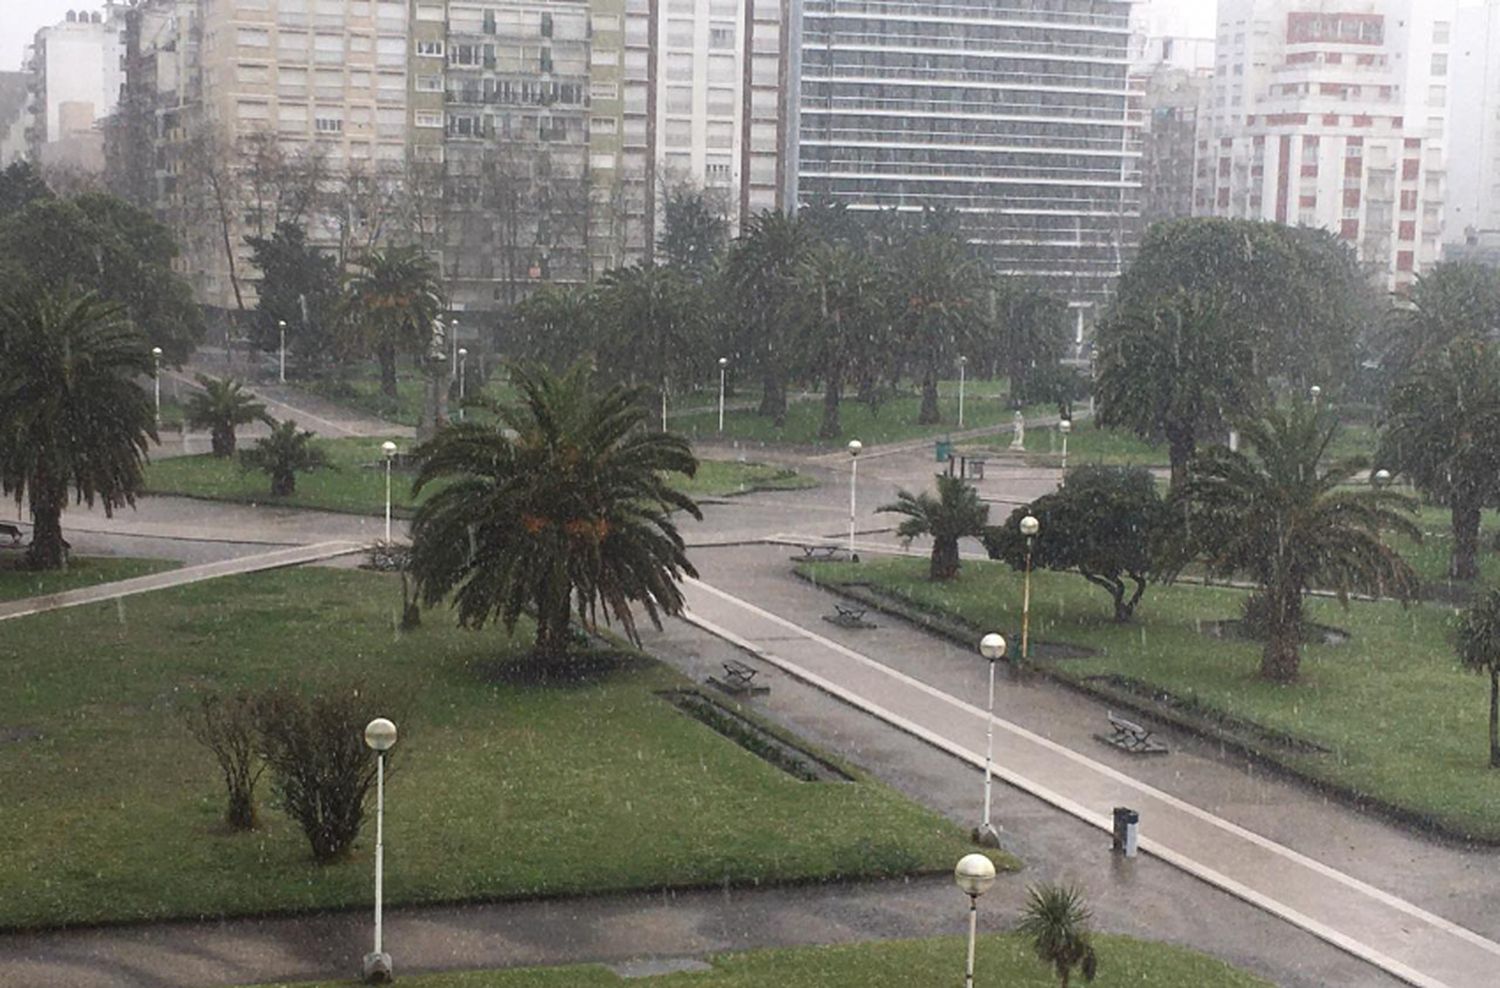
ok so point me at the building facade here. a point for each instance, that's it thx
(77, 72)
(1017, 116)
(1472, 210)
(1334, 113)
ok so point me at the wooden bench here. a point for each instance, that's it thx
(13, 531)
(975, 467)
(820, 554)
(739, 679)
(848, 615)
(1129, 736)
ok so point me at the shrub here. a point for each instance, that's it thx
(226, 727)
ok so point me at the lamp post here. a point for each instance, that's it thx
(963, 362)
(855, 446)
(380, 735)
(723, 368)
(1381, 478)
(1029, 528)
(453, 329)
(281, 360)
(156, 381)
(975, 874)
(992, 647)
(1316, 393)
(463, 376)
(1065, 427)
(389, 449)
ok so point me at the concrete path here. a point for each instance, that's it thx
(277, 559)
(1401, 938)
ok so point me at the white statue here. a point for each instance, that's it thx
(1018, 441)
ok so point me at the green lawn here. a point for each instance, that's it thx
(357, 482)
(498, 790)
(17, 582)
(360, 389)
(999, 960)
(1400, 720)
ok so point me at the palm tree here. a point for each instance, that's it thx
(222, 406)
(554, 325)
(1288, 521)
(936, 286)
(1057, 922)
(1448, 302)
(71, 412)
(565, 497)
(841, 322)
(654, 323)
(1444, 434)
(283, 454)
(1479, 649)
(391, 303)
(761, 273)
(954, 514)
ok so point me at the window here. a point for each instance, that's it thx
(292, 41)
(329, 124)
(716, 171)
(721, 36)
(1441, 31)
(429, 12)
(431, 49)
(254, 111)
(721, 69)
(390, 51)
(429, 83)
(1439, 64)
(720, 134)
(679, 133)
(546, 25)
(250, 37)
(544, 60)
(679, 99)
(602, 125)
(680, 67)
(603, 57)
(721, 102)
(606, 22)
(489, 22)
(604, 90)
(426, 118)
(1437, 95)
(680, 34)
(360, 42)
(604, 161)
(253, 73)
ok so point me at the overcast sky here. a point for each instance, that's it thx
(20, 19)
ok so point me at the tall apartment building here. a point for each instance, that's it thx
(1017, 115)
(1172, 62)
(1473, 203)
(76, 75)
(1334, 113)
(14, 118)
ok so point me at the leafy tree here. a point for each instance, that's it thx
(1479, 650)
(1056, 921)
(694, 233)
(1281, 516)
(1105, 522)
(391, 303)
(554, 326)
(283, 454)
(221, 407)
(761, 277)
(956, 513)
(563, 498)
(1444, 434)
(653, 323)
(19, 185)
(936, 284)
(1449, 301)
(841, 322)
(299, 286)
(72, 414)
(100, 243)
(1029, 328)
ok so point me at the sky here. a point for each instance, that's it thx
(20, 19)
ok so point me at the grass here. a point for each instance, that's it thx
(17, 582)
(999, 960)
(1400, 720)
(356, 485)
(113, 814)
(359, 388)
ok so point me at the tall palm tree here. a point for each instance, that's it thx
(390, 305)
(221, 407)
(564, 498)
(1056, 920)
(1450, 301)
(286, 452)
(937, 287)
(841, 322)
(555, 325)
(954, 514)
(653, 326)
(761, 273)
(1280, 515)
(72, 414)
(1479, 649)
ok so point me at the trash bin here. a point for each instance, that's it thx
(1127, 831)
(944, 450)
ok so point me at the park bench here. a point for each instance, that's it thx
(848, 615)
(1132, 737)
(820, 554)
(13, 531)
(739, 679)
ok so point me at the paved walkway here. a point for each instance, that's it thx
(278, 559)
(1407, 941)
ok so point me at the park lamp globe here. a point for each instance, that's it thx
(380, 734)
(855, 447)
(1065, 426)
(974, 874)
(1030, 526)
(992, 646)
(1381, 478)
(389, 448)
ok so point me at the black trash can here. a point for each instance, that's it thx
(1127, 831)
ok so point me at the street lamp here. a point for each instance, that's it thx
(963, 362)
(156, 381)
(1316, 393)
(992, 647)
(380, 735)
(975, 874)
(1382, 478)
(1029, 528)
(463, 376)
(855, 446)
(453, 328)
(389, 449)
(1065, 426)
(723, 367)
(281, 364)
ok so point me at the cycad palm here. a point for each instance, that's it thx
(1057, 923)
(391, 303)
(564, 497)
(1288, 521)
(71, 412)
(954, 514)
(286, 452)
(222, 406)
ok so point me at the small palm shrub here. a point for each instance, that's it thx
(283, 454)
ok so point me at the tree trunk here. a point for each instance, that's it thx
(832, 393)
(387, 354)
(47, 550)
(1282, 657)
(1182, 443)
(773, 398)
(1465, 516)
(945, 559)
(283, 483)
(1494, 716)
(241, 812)
(222, 440)
(552, 621)
(929, 415)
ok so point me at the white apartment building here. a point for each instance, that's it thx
(76, 75)
(1333, 113)
(1473, 204)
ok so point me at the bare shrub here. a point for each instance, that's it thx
(225, 725)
